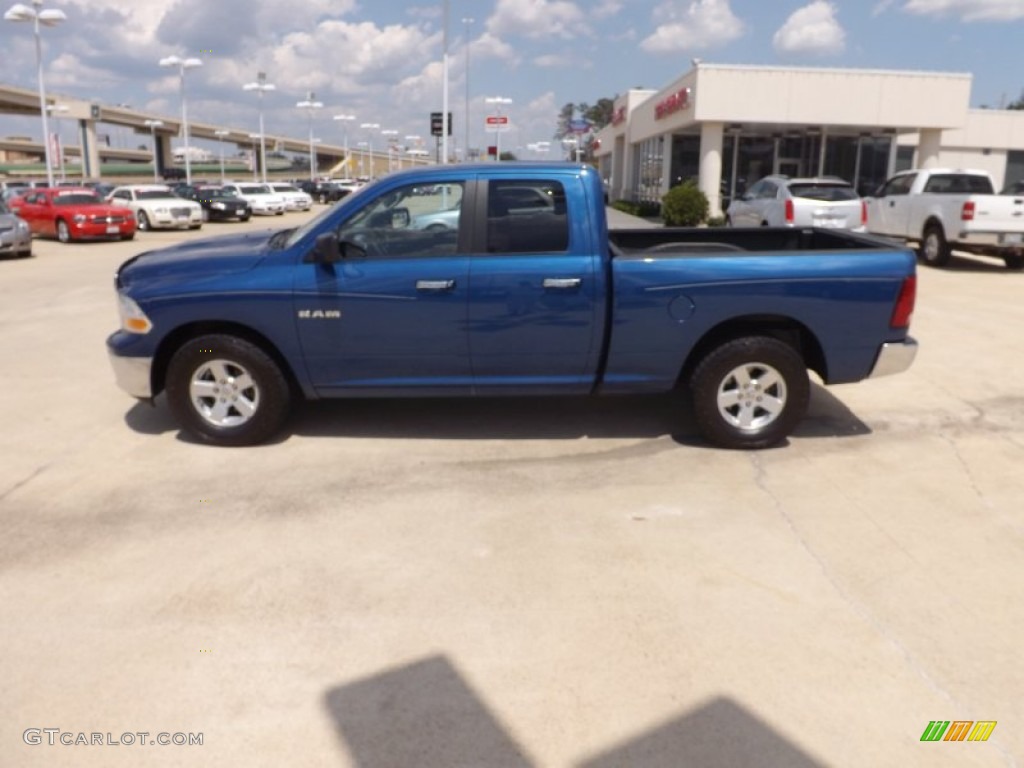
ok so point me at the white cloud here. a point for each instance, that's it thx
(703, 24)
(537, 19)
(812, 29)
(969, 10)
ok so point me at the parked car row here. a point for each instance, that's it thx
(95, 211)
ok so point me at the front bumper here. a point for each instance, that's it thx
(133, 374)
(894, 357)
(990, 239)
(11, 241)
(90, 230)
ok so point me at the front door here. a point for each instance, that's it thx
(390, 317)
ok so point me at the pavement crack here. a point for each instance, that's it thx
(861, 610)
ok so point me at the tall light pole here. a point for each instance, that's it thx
(311, 105)
(498, 101)
(370, 127)
(260, 86)
(255, 156)
(414, 141)
(49, 17)
(182, 65)
(220, 137)
(345, 120)
(55, 110)
(444, 95)
(153, 125)
(467, 21)
(362, 157)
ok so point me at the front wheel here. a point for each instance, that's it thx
(227, 391)
(63, 233)
(750, 392)
(142, 221)
(935, 251)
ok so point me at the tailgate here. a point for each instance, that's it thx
(995, 213)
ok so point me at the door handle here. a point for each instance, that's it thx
(435, 286)
(892, 203)
(562, 283)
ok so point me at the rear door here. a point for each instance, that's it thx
(535, 298)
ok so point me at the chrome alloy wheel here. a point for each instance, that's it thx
(223, 393)
(752, 396)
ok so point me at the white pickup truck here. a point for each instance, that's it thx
(943, 209)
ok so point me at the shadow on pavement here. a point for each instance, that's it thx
(426, 715)
(512, 418)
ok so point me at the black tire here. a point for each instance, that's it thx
(1014, 261)
(934, 250)
(244, 217)
(322, 199)
(63, 232)
(776, 394)
(142, 221)
(256, 394)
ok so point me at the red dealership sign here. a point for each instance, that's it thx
(678, 101)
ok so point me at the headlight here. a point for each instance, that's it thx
(22, 226)
(217, 206)
(78, 218)
(160, 209)
(133, 319)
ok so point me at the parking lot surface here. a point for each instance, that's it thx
(513, 582)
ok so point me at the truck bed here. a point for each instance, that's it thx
(699, 241)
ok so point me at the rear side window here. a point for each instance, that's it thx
(525, 216)
(958, 184)
(832, 193)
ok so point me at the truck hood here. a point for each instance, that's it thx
(196, 259)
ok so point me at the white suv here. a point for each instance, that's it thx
(779, 201)
(260, 197)
(294, 198)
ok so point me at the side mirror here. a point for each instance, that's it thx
(326, 249)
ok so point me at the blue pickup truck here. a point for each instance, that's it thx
(503, 279)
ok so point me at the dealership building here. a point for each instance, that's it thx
(726, 126)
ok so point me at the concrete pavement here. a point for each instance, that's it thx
(509, 583)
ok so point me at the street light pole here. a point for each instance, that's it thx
(182, 65)
(260, 86)
(345, 120)
(220, 137)
(153, 124)
(47, 18)
(467, 21)
(311, 105)
(444, 95)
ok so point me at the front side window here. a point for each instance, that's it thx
(408, 221)
(526, 216)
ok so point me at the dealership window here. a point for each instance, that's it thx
(685, 159)
(1014, 166)
(648, 168)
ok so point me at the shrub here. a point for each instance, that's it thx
(644, 209)
(684, 206)
(716, 221)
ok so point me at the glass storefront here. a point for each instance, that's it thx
(648, 166)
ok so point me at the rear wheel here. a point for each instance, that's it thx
(1014, 261)
(934, 250)
(227, 391)
(63, 232)
(750, 392)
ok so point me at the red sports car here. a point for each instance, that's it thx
(70, 213)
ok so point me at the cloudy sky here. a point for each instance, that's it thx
(380, 60)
